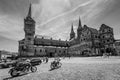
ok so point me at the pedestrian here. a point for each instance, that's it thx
(43, 59)
(46, 59)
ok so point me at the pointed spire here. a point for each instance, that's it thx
(79, 21)
(80, 25)
(72, 34)
(30, 11)
(72, 31)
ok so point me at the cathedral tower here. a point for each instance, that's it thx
(29, 26)
(72, 34)
(79, 29)
(29, 29)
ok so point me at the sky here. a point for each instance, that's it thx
(54, 18)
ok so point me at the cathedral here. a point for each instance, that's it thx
(88, 42)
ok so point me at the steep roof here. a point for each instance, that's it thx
(91, 29)
(103, 26)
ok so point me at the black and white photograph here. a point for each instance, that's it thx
(59, 39)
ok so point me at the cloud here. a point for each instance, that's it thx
(60, 22)
(8, 44)
(54, 17)
(90, 11)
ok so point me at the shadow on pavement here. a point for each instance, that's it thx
(54, 69)
(15, 77)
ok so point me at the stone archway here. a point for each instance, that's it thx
(51, 54)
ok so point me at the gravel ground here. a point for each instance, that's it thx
(92, 68)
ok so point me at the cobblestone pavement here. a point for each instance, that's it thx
(92, 68)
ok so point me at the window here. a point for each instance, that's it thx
(111, 36)
(108, 40)
(81, 40)
(40, 50)
(103, 41)
(59, 51)
(45, 50)
(103, 36)
(103, 31)
(29, 38)
(99, 44)
(96, 36)
(109, 30)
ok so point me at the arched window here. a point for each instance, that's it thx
(59, 51)
(45, 50)
(40, 50)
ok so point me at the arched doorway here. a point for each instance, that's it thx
(51, 54)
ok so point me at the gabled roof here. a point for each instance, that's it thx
(91, 29)
(103, 26)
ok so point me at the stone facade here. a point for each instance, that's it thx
(92, 42)
(107, 39)
(117, 47)
(88, 42)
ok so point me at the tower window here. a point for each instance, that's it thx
(103, 41)
(45, 50)
(96, 36)
(108, 40)
(40, 50)
(29, 38)
(59, 51)
(103, 36)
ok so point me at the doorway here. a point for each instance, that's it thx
(51, 54)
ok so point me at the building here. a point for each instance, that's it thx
(117, 47)
(5, 54)
(33, 45)
(88, 42)
(107, 39)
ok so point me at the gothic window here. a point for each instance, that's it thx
(45, 50)
(99, 44)
(80, 39)
(103, 41)
(111, 36)
(40, 50)
(35, 50)
(103, 31)
(109, 30)
(103, 37)
(96, 36)
(29, 38)
(59, 51)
